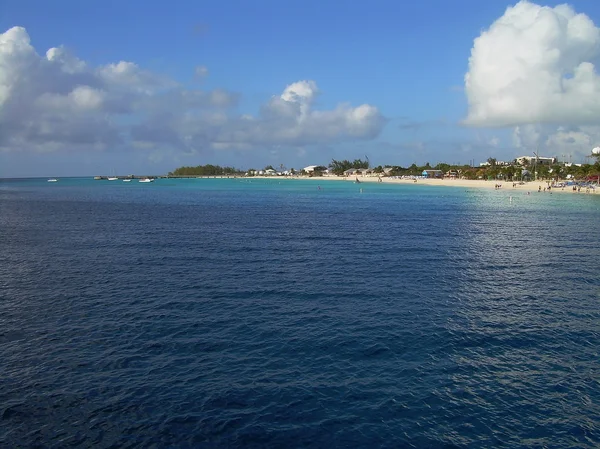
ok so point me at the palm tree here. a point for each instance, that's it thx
(556, 171)
(509, 172)
(543, 171)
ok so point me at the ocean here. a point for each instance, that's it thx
(297, 313)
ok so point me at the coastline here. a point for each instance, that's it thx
(531, 186)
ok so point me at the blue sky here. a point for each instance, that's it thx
(405, 61)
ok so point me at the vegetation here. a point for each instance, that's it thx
(493, 171)
(318, 171)
(339, 167)
(205, 170)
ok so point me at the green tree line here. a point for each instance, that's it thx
(339, 167)
(531, 171)
(512, 172)
(205, 170)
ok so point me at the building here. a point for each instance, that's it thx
(497, 163)
(433, 173)
(530, 160)
(358, 171)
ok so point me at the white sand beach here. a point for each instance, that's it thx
(532, 186)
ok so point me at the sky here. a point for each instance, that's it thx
(144, 87)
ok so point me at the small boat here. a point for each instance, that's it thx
(112, 178)
(127, 180)
(146, 180)
(53, 180)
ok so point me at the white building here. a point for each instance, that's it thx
(522, 160)
(310, 168)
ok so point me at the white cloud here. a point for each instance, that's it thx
(301, 92)
(128, 76)
(201, 72)
(527, 136)
(556, 141)
(575, 141)
(67, 62)
(81, 98)
(535, 65)
(565, 138)
(56, 101)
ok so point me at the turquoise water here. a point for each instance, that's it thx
(272, 313)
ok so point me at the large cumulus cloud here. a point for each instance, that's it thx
(535, 64)
(57, 101)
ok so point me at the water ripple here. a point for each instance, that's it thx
(207, 314)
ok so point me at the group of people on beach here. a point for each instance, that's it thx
(588, 189)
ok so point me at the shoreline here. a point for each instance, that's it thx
(526, 187)
(531, 186)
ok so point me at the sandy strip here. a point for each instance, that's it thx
(532, 186)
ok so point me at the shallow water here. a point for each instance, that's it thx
(247, 313)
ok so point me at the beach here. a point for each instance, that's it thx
(531, 186)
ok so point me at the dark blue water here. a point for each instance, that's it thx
(230, 313)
